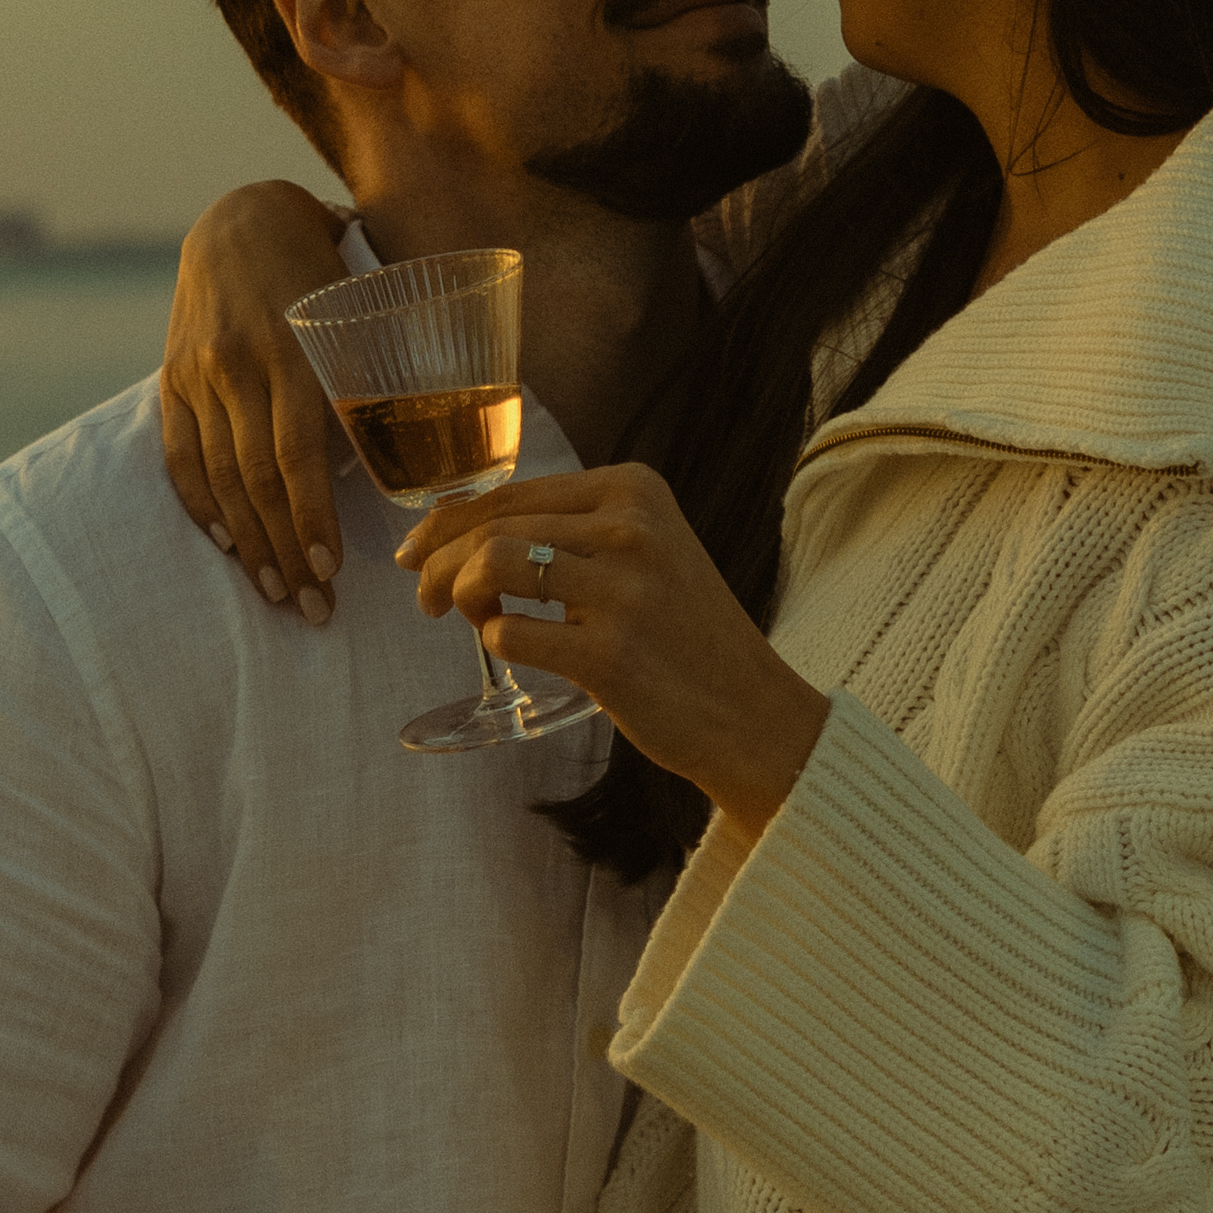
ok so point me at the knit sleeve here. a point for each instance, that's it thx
(883, 1006)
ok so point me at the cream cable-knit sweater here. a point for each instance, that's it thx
(967, 967)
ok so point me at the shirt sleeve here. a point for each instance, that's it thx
(882, 1006)
(79, 928)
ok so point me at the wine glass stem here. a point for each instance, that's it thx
(500, 690)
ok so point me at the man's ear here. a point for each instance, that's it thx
(341, 38)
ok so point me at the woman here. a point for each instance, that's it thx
(948, 942)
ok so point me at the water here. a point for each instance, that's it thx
(76, 327)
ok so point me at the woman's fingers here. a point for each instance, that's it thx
(583, 648)
(495, 553)
(248, 482)
(226, 481)
(301, 419)
(232, 366)
(277, 575)
(281, 444)
(186, 467)
(501, 566)
(625, 488)
(263, 523)
(540, 643)
(204, 453)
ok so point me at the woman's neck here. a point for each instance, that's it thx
(1083, 171)
(1060, 169)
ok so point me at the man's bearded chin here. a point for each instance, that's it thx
(683, 145)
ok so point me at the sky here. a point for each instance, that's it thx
(124, 118)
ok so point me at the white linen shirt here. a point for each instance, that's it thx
(254, 955)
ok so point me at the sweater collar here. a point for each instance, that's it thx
(1100, 345)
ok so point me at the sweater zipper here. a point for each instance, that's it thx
(941, 434)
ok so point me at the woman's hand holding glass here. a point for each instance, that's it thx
(651, 630)
(420, 361)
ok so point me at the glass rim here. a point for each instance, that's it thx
(292, 313)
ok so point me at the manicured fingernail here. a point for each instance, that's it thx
(323, 563)
(219, 533)
(272, 583)
(406, 555)
(313, 605)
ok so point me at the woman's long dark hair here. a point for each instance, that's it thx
(928, 177)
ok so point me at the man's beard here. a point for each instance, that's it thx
(683, 145)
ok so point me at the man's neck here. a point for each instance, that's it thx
(610, 305)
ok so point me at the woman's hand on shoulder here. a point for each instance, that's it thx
(244, 418)
(651, 630)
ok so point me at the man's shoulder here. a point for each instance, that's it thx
(93, 500)
(109, 457)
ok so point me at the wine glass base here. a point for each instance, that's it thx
(452, 492)
(470, 724)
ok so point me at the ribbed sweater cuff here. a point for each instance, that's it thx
(884, 1006)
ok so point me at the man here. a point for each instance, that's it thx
(252, 955)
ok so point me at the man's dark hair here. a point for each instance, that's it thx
(295, 87)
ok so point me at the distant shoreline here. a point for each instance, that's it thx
(99, 256)
(25, 245)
